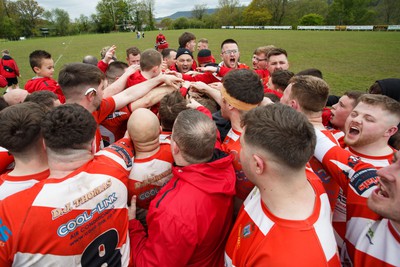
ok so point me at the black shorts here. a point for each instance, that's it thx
(12, 81)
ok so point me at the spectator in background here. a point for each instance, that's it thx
(161, 43)
(43, 66)
(9, 70)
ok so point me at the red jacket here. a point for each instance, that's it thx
(9, 62)
(45, 83)
(190, 218)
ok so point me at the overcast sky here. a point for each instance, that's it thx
(163, 8)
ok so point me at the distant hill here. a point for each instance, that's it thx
(187, 14)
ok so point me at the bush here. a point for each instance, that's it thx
(311, 20)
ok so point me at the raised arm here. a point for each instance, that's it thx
(137, 91)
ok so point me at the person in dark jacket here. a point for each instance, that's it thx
(190, 218)
(9, 70)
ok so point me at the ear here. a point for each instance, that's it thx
(175, 149)
(293, 103)
(391, 131)
(36, 69)
(259, 164)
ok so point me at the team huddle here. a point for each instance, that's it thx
(168, 160)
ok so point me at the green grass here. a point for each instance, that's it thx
(348, 60)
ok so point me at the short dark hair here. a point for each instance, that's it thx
(228, 41)
(276, 52)
(134, 51)
(282, 132)
(149, 59)
(36, 57)
(195, 134)
(312, 72)
(170, 106)
(44, 98)
(244, 85)
(185, 38)
(166, 52)
(115, 69)
(281, 78)
(310, 92)
(75, 77)
(20, 126)
(354, 95)
(3, 103)
(69, 126)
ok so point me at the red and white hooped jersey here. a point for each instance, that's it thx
(339, 217)
(370, 239)
(149, 175)
(259, 238)
(232, 146)
(10, 185)
(78, 220)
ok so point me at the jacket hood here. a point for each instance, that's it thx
(6, 57)
(390, 87)
(214, 177)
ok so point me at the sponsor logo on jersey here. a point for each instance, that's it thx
(246, 230)
(364, 180)
(85, 217)
(123, 153)
(55, 213)
(5, 232)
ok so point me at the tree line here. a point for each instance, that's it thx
(27, 18)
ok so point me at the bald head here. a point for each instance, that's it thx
(143, 126)
(15, 96)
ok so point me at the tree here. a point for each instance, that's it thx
(228, 12)
(349, 12)
(58, 20)
(28, 13)
(149, 18)
(311, 19)
(277, 9)
(199, 11)
(181, 23)
(389, 11)
(297, 9)
(256, 13)
(167, 23)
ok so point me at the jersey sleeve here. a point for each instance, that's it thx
(347, 169)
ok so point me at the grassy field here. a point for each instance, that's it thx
(348, 60)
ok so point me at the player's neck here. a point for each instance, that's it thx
(235, 122)
(375, 149)
(33, 165)
(315, 119)
(147, 149)
(62, 164)
(290, 197)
